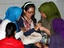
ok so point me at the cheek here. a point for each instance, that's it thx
(43, 15)
(29, 15)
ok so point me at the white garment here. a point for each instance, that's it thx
(2, 30)
(33, 38)
(18, 34)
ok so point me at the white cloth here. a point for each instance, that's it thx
(2, 30)
(18, 34)
(33, 38)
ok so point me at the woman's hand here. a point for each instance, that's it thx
(41, 28)
(38, 44)
(23, 29)
(38, 25)
(45, 29)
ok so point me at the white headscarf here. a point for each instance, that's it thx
(2, 28)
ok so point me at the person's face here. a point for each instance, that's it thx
(29, 12)
(43, 15)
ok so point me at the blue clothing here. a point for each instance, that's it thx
(13, 13)
(20, 25)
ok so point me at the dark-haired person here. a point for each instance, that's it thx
(12, 14)
(48, 11)
(0, 21)
(10, 41)
(27, 23)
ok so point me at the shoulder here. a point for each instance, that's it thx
(19, 43)
(20, 20)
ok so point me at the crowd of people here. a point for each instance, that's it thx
(20, 29)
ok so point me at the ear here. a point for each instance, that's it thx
(15, 32)
(24, 11)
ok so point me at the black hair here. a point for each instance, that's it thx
(10, 29)
(26, 8)
(1, 21)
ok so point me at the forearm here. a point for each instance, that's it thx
(47, 31)
(29, 32)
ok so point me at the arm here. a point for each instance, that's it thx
(18, 34)
(32, 30)
(29, 32)
(45, 29)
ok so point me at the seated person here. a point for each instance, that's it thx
(12, 14)
(49, 11)
(27, 23)
(57, 39)
(10, 40)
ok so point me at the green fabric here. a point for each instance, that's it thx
(50, 10)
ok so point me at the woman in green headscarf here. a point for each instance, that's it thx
(48, 11)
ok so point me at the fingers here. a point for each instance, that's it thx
(23, 29)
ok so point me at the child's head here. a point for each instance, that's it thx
(10, 29)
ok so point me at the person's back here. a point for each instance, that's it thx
(12, 14)
(57, 39)
(10, 41)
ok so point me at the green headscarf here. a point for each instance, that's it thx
(50, 10)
